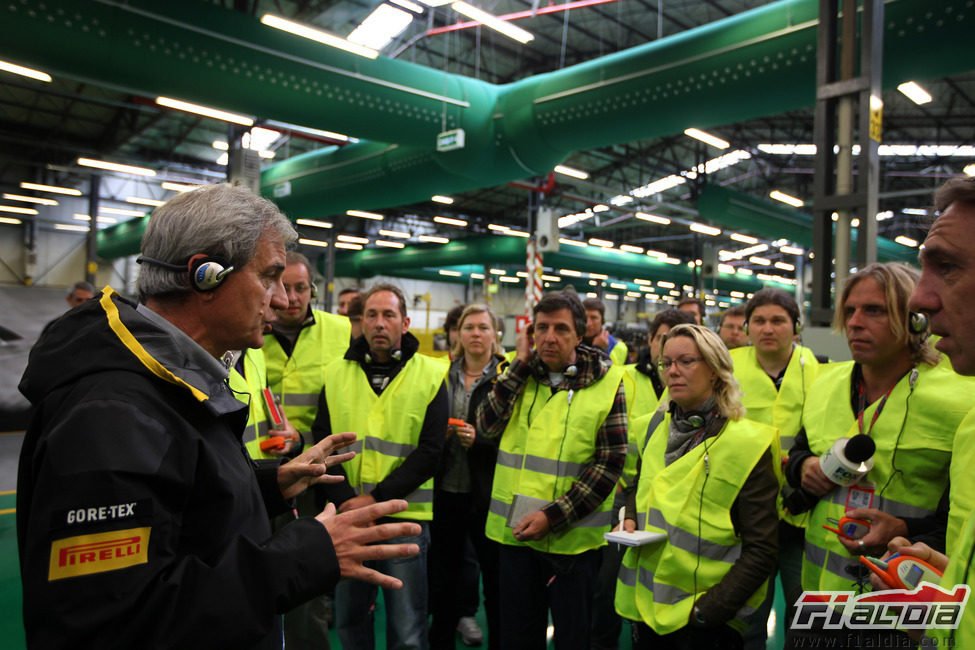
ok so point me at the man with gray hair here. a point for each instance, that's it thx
(140, 517)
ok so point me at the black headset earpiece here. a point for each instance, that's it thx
(314, 290)
(142, 259)
(208, 273)
(571, 370)
(917, 322)
(396, 354)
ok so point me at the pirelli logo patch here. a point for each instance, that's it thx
(86, 554)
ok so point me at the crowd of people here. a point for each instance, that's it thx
(219, 463)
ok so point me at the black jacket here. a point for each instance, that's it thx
(120, 449)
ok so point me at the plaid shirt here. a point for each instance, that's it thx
(600, 475)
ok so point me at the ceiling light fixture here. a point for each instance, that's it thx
(318, 36)
(364, 215)
(434, 239)
(705, 230)
(453, 274)
(24, 72)
(914, 92)
(72, 227)
(508, 278)
(451, 221)
(495, 23)
(314, 223)
(599, 207)
(390, 244)
(598, 276)
(602, 243)
(631, 249)
(745, 239)
(11, 221)
(494, 226)
(348, 246)
(30, 199)
(50, 188)
(313, 242)
(906, 241)
(573, 242)
(446, 200)
(205, 111)
(791, 250)
(395, 233)
(785, 266)
(380, 27)
(786, 198)
(123, 212)
(179, 187)
(352, 239)
(571, 273)
(306, 130)
(138, 200)
(16, 209)
(643, 216)
(707, 138)
(571, 171)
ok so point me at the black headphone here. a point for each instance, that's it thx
(796, 327)
(917, 322)
(206, 273)
(395, 353)
(571, 370)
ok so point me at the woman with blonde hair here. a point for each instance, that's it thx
(462, 488)
(706, 482)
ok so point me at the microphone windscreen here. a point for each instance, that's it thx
(859, 448)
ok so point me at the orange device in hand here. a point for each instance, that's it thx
(849, 527)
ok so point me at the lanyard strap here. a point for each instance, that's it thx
(862, 404)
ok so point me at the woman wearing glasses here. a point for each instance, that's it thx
(706, 481)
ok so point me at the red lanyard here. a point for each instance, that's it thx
(862, 397)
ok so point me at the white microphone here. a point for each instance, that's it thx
(848, 460)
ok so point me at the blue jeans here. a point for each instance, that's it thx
(406, 608)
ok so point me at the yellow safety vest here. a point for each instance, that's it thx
(387, 426)
(959, 572)
(618, 353)
(660, 582)
(781, 408)
(251, 384)
(640, 400)
(962, 481)
(297, 380)
(547, 442)
(920, 426)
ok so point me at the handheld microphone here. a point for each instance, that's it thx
(845, 463)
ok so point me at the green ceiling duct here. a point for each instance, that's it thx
(745, 212)
(761, 62)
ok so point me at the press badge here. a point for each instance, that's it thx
(860, 496)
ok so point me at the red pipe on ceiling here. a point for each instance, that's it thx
(551, 9)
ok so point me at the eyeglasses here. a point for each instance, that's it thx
(684, 363)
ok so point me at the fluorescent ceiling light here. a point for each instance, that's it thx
(306, 130)
(123, 212)
(916, 211)
(906, 241)
(476, 276)
(745, 239)
(318, 35)
(16, 209)
(726, 268)
(436, 3)
(220, 145)
(969, 169)
(101, 219)
(600, 208)
(754, 259)
(671, 260)
(395, 233)
(441, 199)
(657, 254)
(642, 281)
(406, 4)
(549, 278)
(390, 244)
(434, 239)
(599, 276)
(348, 246)
(631, 249)
(785, 198)
(570, 219)
(353, 239)
(788, 149)
(24, 72)
(570, 171)
(666, 285)
(785, 266)
(707, 138)
(497, 271)
(791, 250)
(643, 216)
(515, 233)
(657, 187)
(138, 200)
(494, 226)
(453, 274)
(744, 271)
(451, 221)
(381, 26)
(617, 285)
(205, 111)
(705, 230)
(914, 92)
(223, 159)
(571, 273)
(508, 278)
(573, 242)
(179, 187)
(313, 242)
(50, 188)
(72, 227)
(11, 221)
(29, 199)
(314, 223)
(495, 23)
(621, 199)
(602, 243)
(364, 215)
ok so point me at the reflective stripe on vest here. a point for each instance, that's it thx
(658, 581)
(545, 446)
(923, 441)
(298, 379)
(387, 426)
(251, 385)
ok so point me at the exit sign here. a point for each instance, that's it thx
(450, 140)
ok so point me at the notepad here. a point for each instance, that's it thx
(636, 538)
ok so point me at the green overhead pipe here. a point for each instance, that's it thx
(744, 212)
